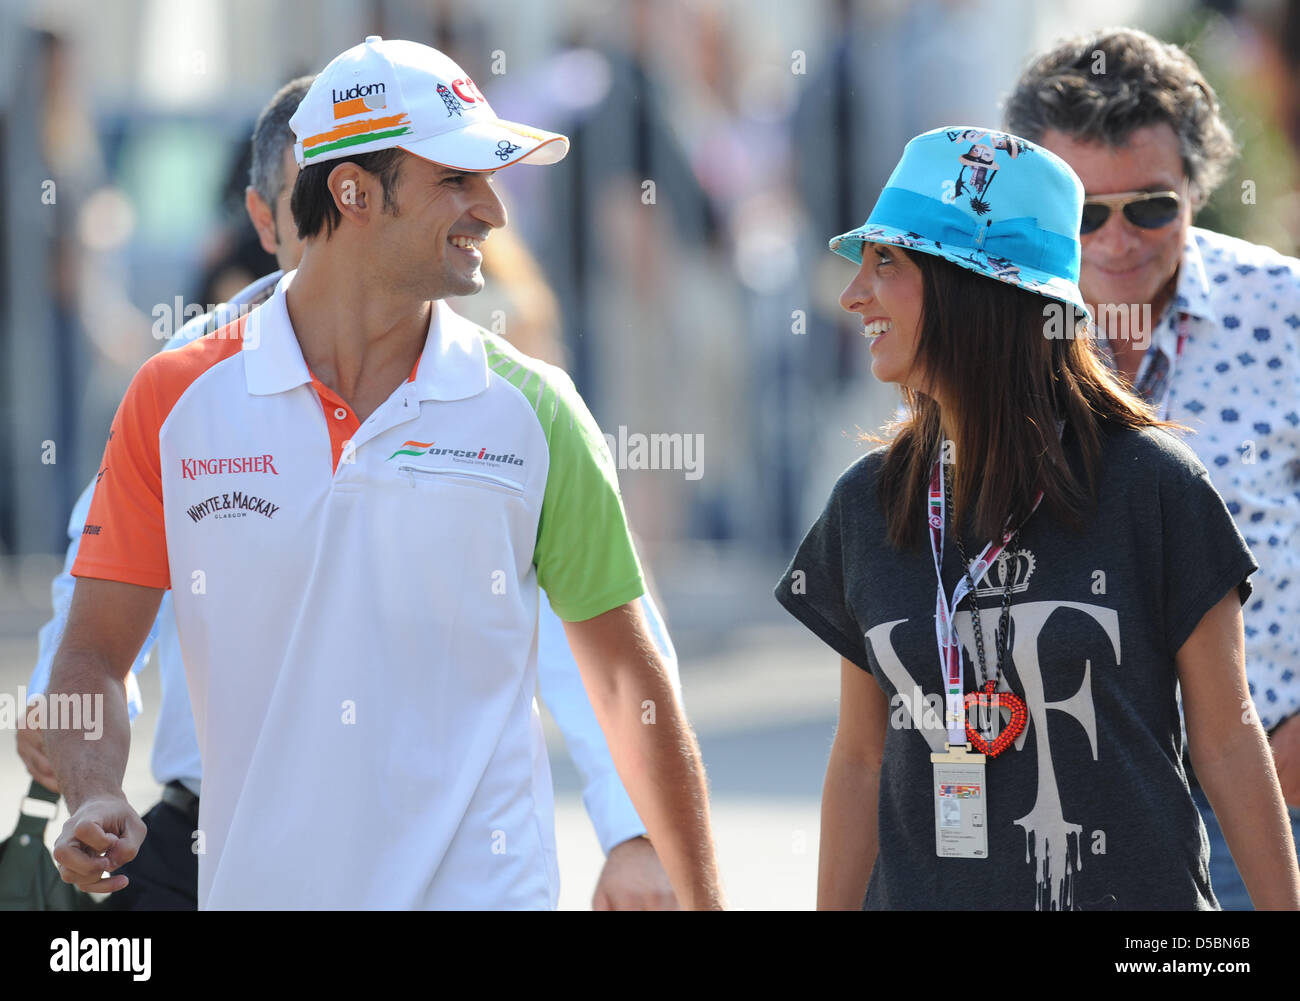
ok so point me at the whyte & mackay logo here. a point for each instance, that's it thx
(232, 505)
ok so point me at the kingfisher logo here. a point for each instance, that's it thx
(358, 99)
(192, 469)
(418, 448)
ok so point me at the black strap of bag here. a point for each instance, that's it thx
(29, 879)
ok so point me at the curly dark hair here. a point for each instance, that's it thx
(1103, 87)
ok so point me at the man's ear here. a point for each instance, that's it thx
(350, 187)
(259, 213)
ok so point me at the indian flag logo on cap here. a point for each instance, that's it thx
(359, 99)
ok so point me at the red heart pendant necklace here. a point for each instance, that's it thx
(989, 699)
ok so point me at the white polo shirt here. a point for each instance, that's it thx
(357, 606)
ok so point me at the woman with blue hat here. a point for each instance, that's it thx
(1020, 580)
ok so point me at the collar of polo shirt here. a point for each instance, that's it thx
(453, 364)
(1192, 293)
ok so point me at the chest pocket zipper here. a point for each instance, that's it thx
(465, 476)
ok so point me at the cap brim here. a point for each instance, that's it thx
(490, 145)
(849, 245)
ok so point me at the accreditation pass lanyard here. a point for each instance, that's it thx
(950, 656)
(960, 790)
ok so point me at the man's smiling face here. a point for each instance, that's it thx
(1124, 264)
(443, 214)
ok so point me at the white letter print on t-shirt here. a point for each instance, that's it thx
(1047, 833)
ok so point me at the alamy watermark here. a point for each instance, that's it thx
(1128, 321)
(637, 450)
(170, 317)
(75, 954)
(61, 711)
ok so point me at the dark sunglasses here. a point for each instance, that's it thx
(1146, 209)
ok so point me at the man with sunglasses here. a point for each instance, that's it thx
(1202, 325)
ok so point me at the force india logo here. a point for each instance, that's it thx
(419, 448)
(232, 505)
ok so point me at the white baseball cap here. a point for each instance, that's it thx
(382, 94)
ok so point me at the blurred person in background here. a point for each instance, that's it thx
(164, 874)
(1018, 434)
(625, 221)
(846, 131)
(516, 303)
(70, 150)
(733, 104)
(51, 275)
(1204, 327)
(233, 257)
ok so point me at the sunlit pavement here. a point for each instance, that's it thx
(764, 710)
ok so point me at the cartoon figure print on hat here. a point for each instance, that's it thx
(941, 199)
(980, 158)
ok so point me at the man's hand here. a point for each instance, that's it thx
(102, 835)
(1286, 759)
(31, 749)
(634, 880)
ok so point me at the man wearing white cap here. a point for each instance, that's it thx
(354, 495)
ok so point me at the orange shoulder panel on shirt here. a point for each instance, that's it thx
(124, 538)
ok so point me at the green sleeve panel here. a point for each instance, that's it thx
(586, 562)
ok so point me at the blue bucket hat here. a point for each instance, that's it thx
(986, 200)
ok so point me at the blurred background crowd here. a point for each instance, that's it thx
(702, 304)
(675, 262)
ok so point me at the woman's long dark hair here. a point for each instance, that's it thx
(1010, 364)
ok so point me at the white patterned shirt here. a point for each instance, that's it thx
(1236, 382)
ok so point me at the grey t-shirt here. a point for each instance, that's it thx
(1089, 809)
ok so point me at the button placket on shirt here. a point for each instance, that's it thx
(335, 414)
(388, 415)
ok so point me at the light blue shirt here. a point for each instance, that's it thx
(176, 750)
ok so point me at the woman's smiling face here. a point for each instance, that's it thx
(887, 292)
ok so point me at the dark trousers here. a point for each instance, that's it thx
(164, 875)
